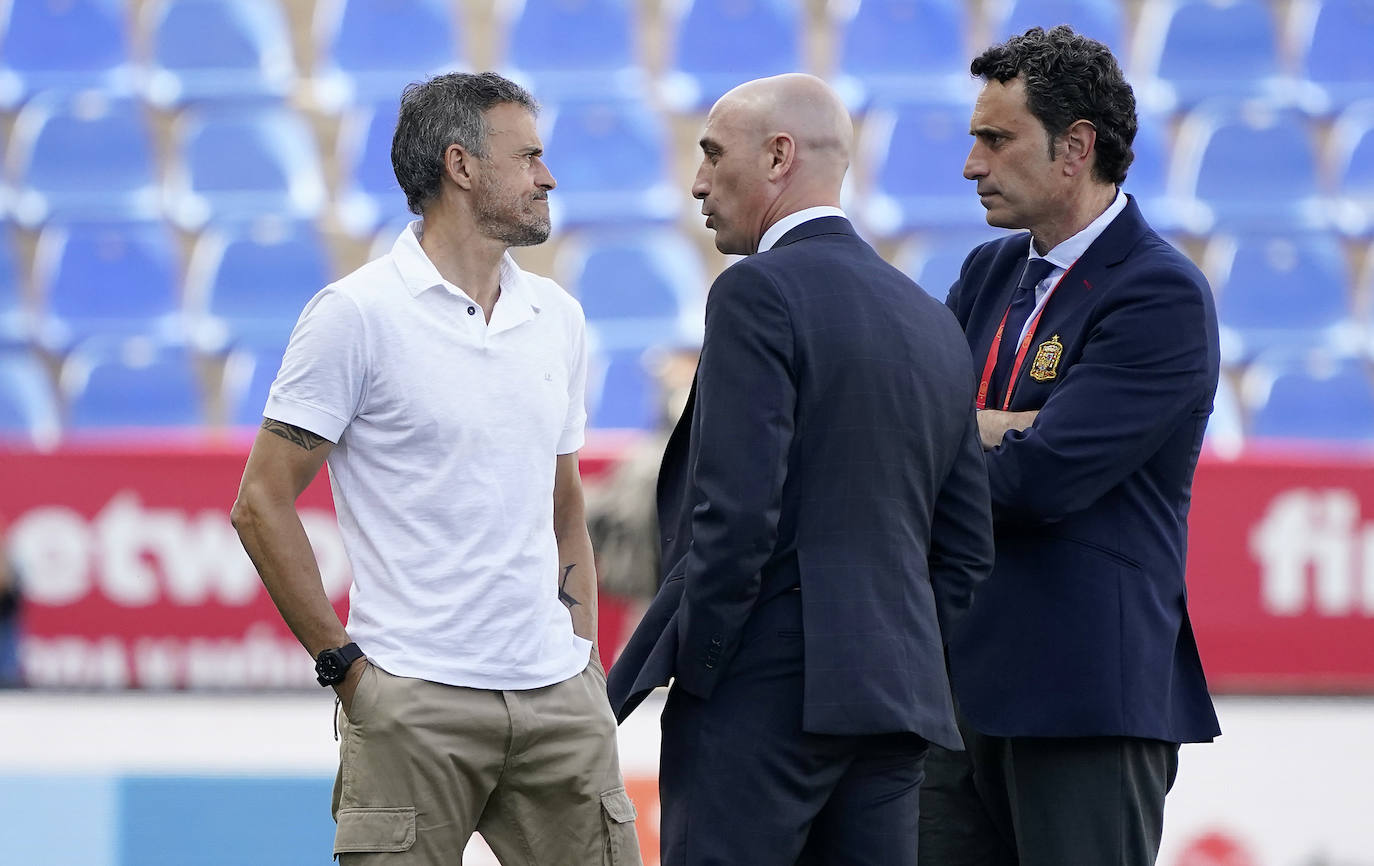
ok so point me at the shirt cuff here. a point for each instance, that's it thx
(309, 418)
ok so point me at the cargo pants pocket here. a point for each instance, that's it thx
(370, 830)
(622, 845)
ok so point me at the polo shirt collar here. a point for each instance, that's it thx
(517, 303)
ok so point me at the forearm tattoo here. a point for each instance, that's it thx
(562, 592)
(304, 438)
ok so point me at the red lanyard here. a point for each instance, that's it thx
(1021, 350)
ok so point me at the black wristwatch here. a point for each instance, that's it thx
(331, 665)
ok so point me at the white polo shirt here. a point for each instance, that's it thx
(447, 430)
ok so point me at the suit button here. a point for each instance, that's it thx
(667, 539)
(715, 640)
(710, 666)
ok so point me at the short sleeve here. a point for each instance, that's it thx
(575, 423)
(320, 384)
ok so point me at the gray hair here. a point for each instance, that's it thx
(444, 110)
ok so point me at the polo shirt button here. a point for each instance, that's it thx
(472, 311)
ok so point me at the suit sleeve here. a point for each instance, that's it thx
(961, 547)
(746, 396)
(1147, 365)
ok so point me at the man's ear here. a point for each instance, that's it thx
(459, 165)
(781, 151)
(1080, 147)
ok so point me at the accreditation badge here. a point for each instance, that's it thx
(1046, 364)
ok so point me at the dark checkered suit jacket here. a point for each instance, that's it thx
(830, 444)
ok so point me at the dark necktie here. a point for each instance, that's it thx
(1022, 303)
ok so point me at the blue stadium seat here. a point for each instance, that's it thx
(623, 393)
(249, 283)
(1102, 20)
(369, 50)
(1323, 400)
(369, 195)
(1191, 51)
(635, 287)
(134, 384)
(241, 163)
(595, 57)
(16, 323)
(63, 46)
(933, 258)
(610, 160)
(1248, 168)
(1148, 177)
(218, 50)
(1352, 140)
(722, 43)
(107, 279)
(918, 154)
(1336, 64)
(83, 157)
(28, 406)
(1281, 295)
(903, 51)
(249, 372)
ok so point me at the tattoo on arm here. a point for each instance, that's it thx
(304, 438)
(562, 594)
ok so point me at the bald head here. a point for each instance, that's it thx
(771, 147)
(802, 106)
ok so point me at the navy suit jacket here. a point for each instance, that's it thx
(1083, 628)
(830, 443)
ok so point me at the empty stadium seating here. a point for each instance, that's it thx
(721, 43)
(893, 51)
(1281, 295)
(595, 55)
(1336, 64)
(249, 282)
(107, 279)
(120, 387)
(1248, 167)
(1190, 51)
(236, 163)
(1103, 20)
(225, 50)
(610, 160)
(66, 47)
(84, 156)
(28, 406)
(368, 50)
(1353, 162)
(917, 154)
(637, 288)
(196, 169)
(1321, 400)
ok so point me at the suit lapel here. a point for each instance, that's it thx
(1088, 277)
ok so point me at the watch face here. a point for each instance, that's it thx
(328, 669)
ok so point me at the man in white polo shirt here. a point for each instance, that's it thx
(444, 387)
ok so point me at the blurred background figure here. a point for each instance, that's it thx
(11, 610)
(621, 506)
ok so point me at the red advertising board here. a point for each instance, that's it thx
(134, 576)
(1281, 573)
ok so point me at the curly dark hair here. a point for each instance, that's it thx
(446, 109)
(1069, 77)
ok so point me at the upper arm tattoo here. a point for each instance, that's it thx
(291, 433)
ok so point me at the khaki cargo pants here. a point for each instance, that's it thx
(423, 765)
